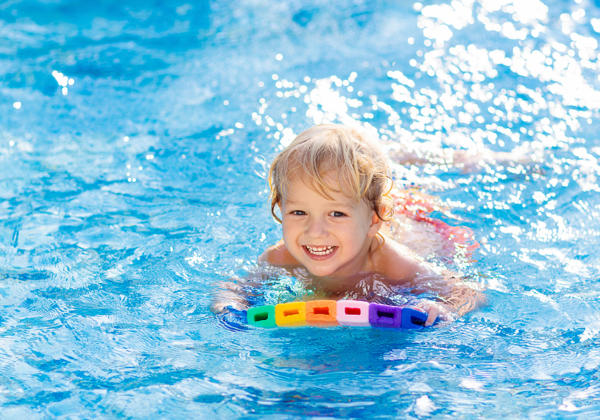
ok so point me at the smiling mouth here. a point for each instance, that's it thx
(319, 251)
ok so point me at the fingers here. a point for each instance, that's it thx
(432, 315)
(435, 311)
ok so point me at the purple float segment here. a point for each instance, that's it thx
(385, 316)
(353, 313)
(413, 318)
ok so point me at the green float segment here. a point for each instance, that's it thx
(331, 312)
(262, 316)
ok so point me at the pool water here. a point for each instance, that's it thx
(134, 142)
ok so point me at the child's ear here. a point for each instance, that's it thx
(375, 223)
(276, 216)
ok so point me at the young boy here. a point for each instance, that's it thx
(333, 190)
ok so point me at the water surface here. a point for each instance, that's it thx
(134, 140)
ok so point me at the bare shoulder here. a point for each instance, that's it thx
(396, 261)
(278, 255)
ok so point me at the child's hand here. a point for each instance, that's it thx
(435, 310)
(228, 296)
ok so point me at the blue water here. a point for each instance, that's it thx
(134, 140)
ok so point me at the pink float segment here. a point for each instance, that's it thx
(353, 313)
(325, 313)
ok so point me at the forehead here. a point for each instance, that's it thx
(301, 187)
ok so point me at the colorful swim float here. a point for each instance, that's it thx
(326, 313)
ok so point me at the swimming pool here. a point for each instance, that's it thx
(133, 147)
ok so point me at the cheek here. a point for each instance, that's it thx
(284, 228)
(287, 228)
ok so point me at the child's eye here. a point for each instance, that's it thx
(337, 214)
(297, 213)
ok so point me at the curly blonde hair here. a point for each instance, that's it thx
(361, 167)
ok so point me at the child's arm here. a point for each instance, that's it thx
(456, 298)
(233, 293)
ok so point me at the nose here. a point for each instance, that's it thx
(316, 227)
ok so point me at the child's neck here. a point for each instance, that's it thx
(359, 286)
(349, 276)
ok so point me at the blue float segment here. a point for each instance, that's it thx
(413, 318)
(385, 316)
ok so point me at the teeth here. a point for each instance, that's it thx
(320, 250)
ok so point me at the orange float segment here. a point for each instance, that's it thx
(321, 312)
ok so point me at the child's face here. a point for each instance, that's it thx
(330, 238)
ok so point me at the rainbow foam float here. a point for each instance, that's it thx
(328, 313)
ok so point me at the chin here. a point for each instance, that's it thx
(321, 272)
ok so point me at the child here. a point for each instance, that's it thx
(333, 190)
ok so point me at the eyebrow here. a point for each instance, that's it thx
(333, 203)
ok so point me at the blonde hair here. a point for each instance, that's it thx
(361, 167)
